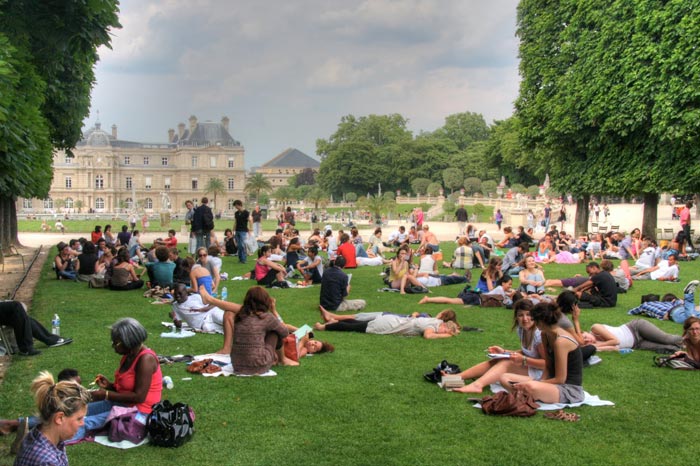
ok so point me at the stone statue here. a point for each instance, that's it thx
(164, 201)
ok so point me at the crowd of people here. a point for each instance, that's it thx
(548, 364)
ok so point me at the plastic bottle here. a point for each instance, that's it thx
(168, 382)
(626, 350)
(56, 325)
(224, 293)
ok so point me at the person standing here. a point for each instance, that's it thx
(189, 216)
(547, 216)
(242, 227)
(462, 218)
(498, 217)
(685, 223)
(256, 214)
(203, 223)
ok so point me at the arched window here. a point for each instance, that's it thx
(99, 204)
(48, 203)
(129, 203)
(69, 203)
(148, 203)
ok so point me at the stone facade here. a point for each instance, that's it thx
(108, 174)
(285, 165)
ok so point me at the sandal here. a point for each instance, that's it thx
(562, 415)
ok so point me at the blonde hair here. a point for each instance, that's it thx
(63, 397)
(452, 327)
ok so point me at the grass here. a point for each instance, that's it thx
(367, 403)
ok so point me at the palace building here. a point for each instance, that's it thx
(285, 165)
(108, 174)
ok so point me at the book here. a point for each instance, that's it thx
(499, 355)
(450, 381)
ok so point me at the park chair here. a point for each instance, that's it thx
(594, 227)
(615, 228)
(602, 230)
(659, 234)
(668, 233)
(11, 252)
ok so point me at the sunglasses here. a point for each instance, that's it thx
(202, 255)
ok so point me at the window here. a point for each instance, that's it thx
(69, 182)
(148, 183)
(129, 203)
(69, 203)
(230, 184)
(212, 161)
(68, 160)
(127, 160)
(146, 160)
(195, 183)
(148, 203)
(99, 204)
(48, 203)
(129, 182)
(26, 203)
(166, 183)
(195, 161)
(99, 182)
(230, 162)
(230, 204)
(164, 161)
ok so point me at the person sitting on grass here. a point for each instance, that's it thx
(160, 273)
(463, 255)
(312, 267)
(528, 360)
(562, 381)
(62, 407)
(600, 290)
(637, 334)
(268, 272)
(335, 288)
(691, 340)
(532, 277)
(490, 276)
(64, 263)
(171, 240)
(124, 277)
(26, 328)
(400, 271)
(444, 325)
(207, 318)
(664, 271)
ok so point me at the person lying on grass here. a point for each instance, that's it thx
(528, 360)
(563, 378)
(503, 288)
(691, 339)
(637, 334)
(444, 325)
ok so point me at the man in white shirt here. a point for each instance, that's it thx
(647, 258)
(664, 271)
(397, 238)
(202, 317)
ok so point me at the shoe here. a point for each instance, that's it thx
(690, 287)
(22, 432)
(61, 342)
(471, 329)
(593, 360)
(31, 352)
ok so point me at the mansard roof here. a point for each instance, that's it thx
(292, 158)
(207, 133)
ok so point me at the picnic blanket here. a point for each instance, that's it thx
(224, 361)
(588, 399)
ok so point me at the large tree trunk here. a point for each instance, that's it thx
(581, 221)
(8, 222)
(650, 215)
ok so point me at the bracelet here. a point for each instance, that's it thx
(524, 361)
(106, 395)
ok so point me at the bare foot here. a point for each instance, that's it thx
(402, 292)
(288, 362)
(471, 388)
(319, 326)
(423, 300)
(325, 315)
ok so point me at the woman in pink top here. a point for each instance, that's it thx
(138, 382)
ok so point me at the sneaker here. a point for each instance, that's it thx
(31, 352)
(22, 431)
(61, 342)
(690, 287)
(593, 360)
(471, 329)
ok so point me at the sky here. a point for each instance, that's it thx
(285, 72)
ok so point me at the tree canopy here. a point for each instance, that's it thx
(47, 54)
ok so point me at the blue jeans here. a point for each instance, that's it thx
(241, 236)
(257, 229)
(95, 419)
(679, 314)
(360, 251)
(203, 238)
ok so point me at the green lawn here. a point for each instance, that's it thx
(367, 403)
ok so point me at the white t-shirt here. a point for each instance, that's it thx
(646, 258)
(623, 335)
(664, 271)
(210, 321)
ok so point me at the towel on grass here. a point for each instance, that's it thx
(588, 399)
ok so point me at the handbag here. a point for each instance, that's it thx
(126, 427)
(251, 244)
(516, 403)
(491, 300)
(682, 362)
(170, 425)
(435, 375)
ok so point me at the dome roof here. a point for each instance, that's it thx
(96, 137)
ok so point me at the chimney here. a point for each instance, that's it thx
(180, 130)
(114, 131)
(193, 123)
(224, 123)
(171, 135)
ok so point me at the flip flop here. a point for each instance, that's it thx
(562, 415)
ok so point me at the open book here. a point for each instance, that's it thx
(499, 355)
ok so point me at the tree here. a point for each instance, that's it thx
(453, 178)
(464, 129)
(79, 205)
(216, 187)
(350, 197)
(284, 194)
(306, 177)
(518, 188)
(420, 185)
(364, 152)
(59, 204)
(256, 184)
(377, 205)
(605, 89)
(434, 189)
(47, 54)
(533, 191)
(488, 187)
(472, 185)
(317, 197)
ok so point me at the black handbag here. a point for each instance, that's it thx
(435, 376)
(170, 425)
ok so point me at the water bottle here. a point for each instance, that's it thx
(224, 293)
(168, 382)
(626, 350)
(56, 325)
